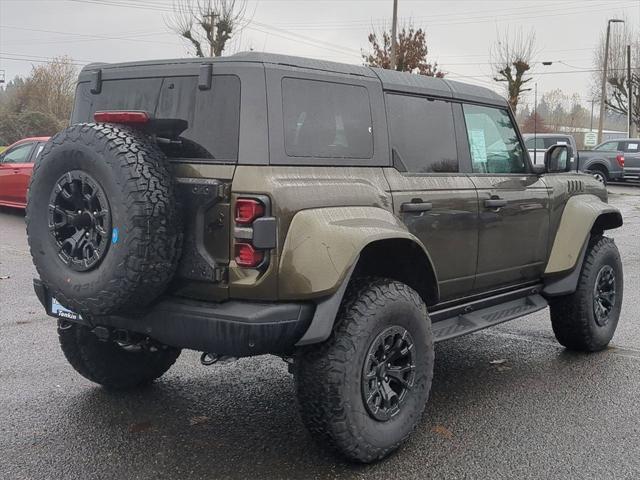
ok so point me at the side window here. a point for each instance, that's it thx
(632, 147)
(422, 134)
(493, 141)
(607, 146)
(326, 120)
(534, 143)
(18, 154)
(202, 124)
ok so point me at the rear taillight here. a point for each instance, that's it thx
(247, 255)
(620, 159)
(247, 210)
(121, 116)
(254, 232)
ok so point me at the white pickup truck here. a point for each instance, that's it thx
(540, 143)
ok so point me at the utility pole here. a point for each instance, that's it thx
(394, 27)
(593, 100)
(629, 90)
(210, 16)
(603, 91)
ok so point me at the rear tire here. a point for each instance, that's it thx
(600, 174)
(111, 365)
(380, 321)
(587, 319)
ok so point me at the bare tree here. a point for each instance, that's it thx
(617, 95)
(208, 24)
(411, 52)
(511, 58)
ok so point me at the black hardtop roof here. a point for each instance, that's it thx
(391, 79)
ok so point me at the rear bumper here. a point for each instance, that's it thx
(236, 328)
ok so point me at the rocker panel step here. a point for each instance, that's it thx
(464, 323)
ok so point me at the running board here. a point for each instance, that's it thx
(463, 323)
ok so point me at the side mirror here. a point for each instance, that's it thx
(556, 159)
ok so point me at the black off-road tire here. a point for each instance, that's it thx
(329, 375)
(144, 244)
(573, 317)
(111, 365)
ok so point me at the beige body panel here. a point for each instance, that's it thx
(323, 244)
(578, 217)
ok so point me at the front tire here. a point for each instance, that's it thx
(363, 391)
(587, 319)
(110, 364)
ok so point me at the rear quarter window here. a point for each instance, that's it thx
(326, 120)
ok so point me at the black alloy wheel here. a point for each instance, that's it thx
(79, 220)
(388, 373)
(604, 295)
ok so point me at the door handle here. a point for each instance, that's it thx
(495, 203)
(416, 207)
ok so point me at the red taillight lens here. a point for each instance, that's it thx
(247, 210)
(620, 159)
(247, 256)
(119, 116)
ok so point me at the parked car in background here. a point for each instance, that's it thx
(539, 143)
(16, 165)
(606, 161)
(630, 149)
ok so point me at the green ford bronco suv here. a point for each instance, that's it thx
(344, 218)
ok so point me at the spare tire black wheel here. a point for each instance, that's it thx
(102, 221)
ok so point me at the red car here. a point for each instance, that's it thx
(16, 164)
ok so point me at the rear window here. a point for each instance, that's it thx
(191, 123)
(326, 120)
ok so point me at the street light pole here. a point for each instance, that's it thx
(629, 91)
(603, 90)
(393, 34)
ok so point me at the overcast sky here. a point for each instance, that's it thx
(459, 33)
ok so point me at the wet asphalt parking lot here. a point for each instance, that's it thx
(539, 412)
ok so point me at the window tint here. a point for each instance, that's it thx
(326, 120)
(18, 154)
(537, 143)
(493, 141)
(127, 94)
(202, 124)
(422, 134)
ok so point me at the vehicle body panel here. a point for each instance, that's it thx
(449, 230)
(631, 149)
(524, 222)
(578, 217)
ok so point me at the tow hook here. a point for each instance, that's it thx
(208, 358)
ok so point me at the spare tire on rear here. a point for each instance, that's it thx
(102, 221)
